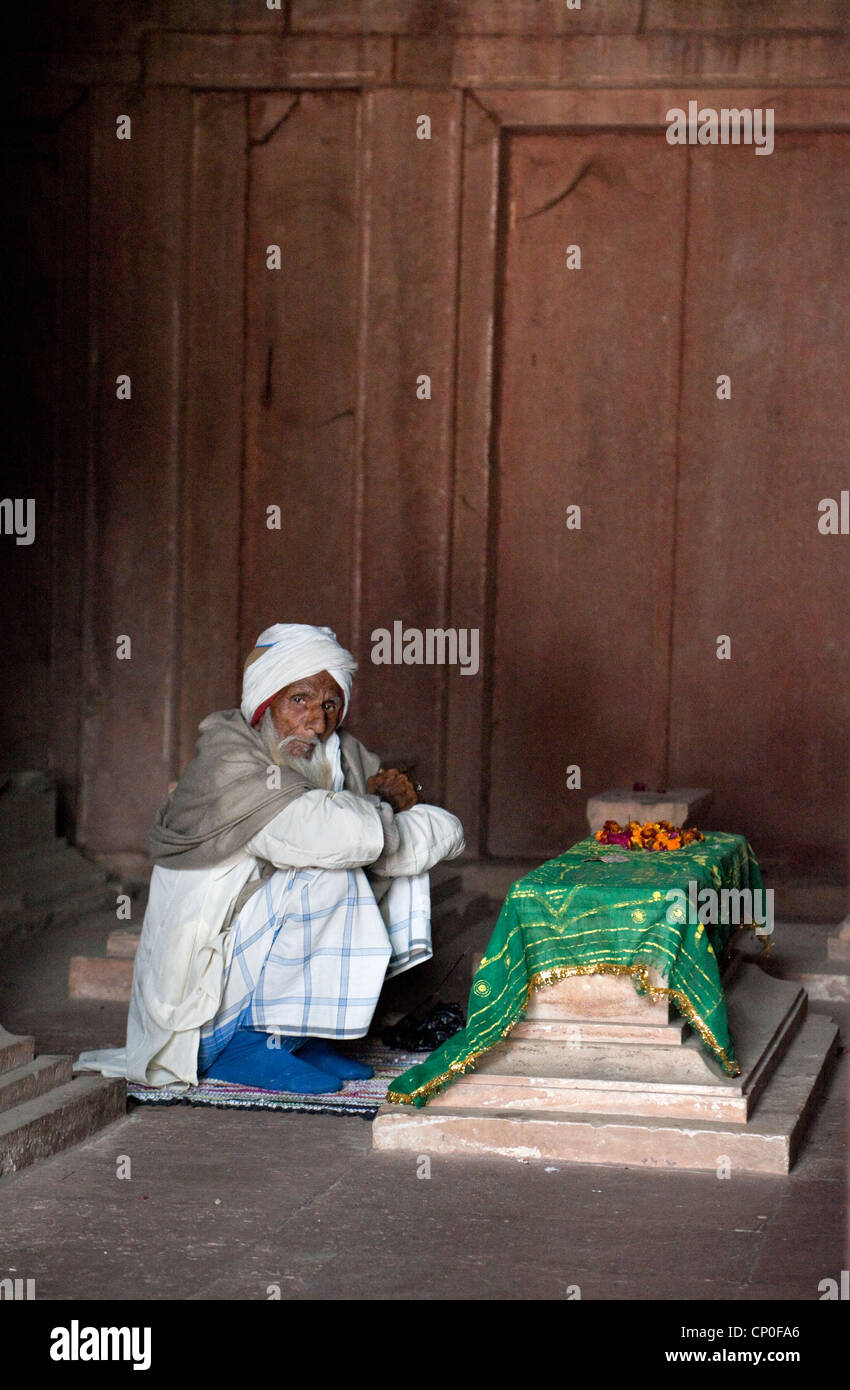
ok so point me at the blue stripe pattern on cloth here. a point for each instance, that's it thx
(309, 952)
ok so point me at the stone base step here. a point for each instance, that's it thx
(108, 978)
(602, 1009)
(63, 1116)
(33, 876)
(604, 998)
(805, 952)
(51, 883)
(768, 1143)
(585, 1076)
(21, 920)
(445, 883)
(14, 1051)
(628, 1035)
(827, 986)
(33, 1079)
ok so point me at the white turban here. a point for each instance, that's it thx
(289, 652)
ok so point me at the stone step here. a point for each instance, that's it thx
(800, 951)
(445, 883)
(477, 907)
(446, 914)
(14, 1051)
(769, 1143)
(61, 1117)
(52, 883)
(30, 877)
(587, 1009)
(828, 986)
(27, 811)
(21, 920)
(802, 899)
(838, 950)
(108, 978)
(522, 1074)
(457, 918)
(623, 1034)
(33, 1079)
(597, 998)
(123, 944)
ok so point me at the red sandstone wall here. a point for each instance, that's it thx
(296, 388)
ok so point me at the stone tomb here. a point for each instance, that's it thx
(595, 1073)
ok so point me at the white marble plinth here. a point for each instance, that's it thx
(678, 805)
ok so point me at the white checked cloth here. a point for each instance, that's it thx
(309, 952)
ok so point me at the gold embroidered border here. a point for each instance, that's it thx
(563, 972)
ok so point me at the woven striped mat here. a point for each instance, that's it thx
(356, 1097)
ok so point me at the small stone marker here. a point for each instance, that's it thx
(838, 943)
(680, 805)
(100, 977)
(122, 944)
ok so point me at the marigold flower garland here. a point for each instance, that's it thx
(659, 834)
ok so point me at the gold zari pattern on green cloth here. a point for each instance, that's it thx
(586, 914)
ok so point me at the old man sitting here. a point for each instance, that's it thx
(290, 879)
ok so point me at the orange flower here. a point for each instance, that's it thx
(651, 835)
(634, 833)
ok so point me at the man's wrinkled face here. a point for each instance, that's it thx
(306, 711)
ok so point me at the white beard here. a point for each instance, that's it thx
(316, 770)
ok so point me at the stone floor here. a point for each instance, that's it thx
(223, 1204)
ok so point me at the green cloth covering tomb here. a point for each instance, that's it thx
(582, 914)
